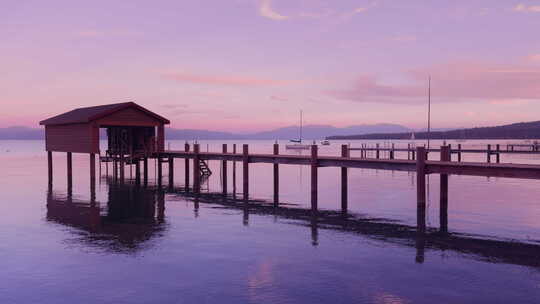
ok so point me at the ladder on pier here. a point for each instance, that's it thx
(204, 168)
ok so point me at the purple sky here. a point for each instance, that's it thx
(246, 65)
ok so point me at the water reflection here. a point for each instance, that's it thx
(130, 218)
(431, 240)
(133, 215)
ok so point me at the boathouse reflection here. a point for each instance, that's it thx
(131, 216)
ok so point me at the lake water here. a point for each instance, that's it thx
(131, 244)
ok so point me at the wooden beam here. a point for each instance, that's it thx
(50, 166)
(159, 170)
(224, 170)
(93, 169)
(138, 172)
(186, 169)
(122, 167)
(276, 176)
(145, 167)
(421, 188)
(234, 172)
(196, 170)
(443, 205)
(344, 181)
(314, 181)
(245, 173)
(171, 172)
(69, 170)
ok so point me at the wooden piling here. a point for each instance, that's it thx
(92, 170)
(186, 168)
(234, 172)
(50, 166)
(69, 169)
(392, 152)
(122, 171)
(276, 176)
(145, 168)
(159, 171)
(459, 153)
(344, 181)
(443, 207)
(224, 171)
(421, 188)
(498, 155)
(115, 169)
(488, 153)
(314, 182)
(245, 173)
(171, 171)
(377, 152)
(138, 171)
(196, 170)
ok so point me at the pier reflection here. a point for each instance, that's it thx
(131, 216)
(423, 241)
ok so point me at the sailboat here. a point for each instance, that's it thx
(298, 142)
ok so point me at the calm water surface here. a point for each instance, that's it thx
(147, 245)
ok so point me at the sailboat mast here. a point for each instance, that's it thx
(429, 112)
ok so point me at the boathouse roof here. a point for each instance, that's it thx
(89, 114)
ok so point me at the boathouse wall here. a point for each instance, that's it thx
(77, 138)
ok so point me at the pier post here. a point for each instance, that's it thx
(378, 152)
(421, 188)
(171, 172)
(392, 152)
(459, 153)
(115, 169)
(344, 181)
(224, 170)
(50, 166)
(159, 170)
(276, 176)
(498, 153)
(92, 170)
(488, 153)
(196, 170)
(245, 173)
(234, 172)
(186, 175)
(145, 167)
(443, 208)
(314, 182)
(138, 171)
(408, 151)
(69, 170)
(122, 171)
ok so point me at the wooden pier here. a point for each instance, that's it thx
(421, 166)
(135, 135)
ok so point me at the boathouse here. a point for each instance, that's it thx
(133, 132)
(130, 128)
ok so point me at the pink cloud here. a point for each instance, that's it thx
(278, 98)
(524, 8)
(228, 80)
(451, 82)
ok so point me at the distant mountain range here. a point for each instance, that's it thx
(522, 130)
(308, 132)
